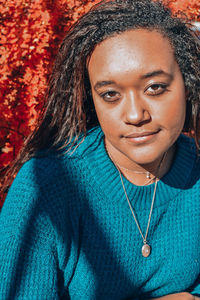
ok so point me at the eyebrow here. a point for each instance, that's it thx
(103, 83)
(156, 73)
(100, 84)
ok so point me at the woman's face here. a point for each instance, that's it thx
(139, 95)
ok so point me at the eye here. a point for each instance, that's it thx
(110, 96)
(156, 89)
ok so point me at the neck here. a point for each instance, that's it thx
(142, 174)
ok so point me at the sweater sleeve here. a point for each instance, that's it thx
(28, 251)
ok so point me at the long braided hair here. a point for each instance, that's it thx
(69, 111)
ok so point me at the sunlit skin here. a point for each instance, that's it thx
(139, 97)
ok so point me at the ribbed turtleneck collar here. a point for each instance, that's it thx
(105, 173)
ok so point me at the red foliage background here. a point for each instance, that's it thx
(30, 33)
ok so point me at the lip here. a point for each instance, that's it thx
(141, 134)
(140, 137)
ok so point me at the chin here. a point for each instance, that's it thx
(146, 157)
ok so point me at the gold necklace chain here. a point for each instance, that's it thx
(148, 174)
(146, 248)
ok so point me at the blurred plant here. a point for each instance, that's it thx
(191, 8)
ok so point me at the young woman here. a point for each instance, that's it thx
(106, 204)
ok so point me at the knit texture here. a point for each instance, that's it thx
(66, 230)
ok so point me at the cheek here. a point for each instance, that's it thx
(109, 118)
(174, 113)
(109, 123)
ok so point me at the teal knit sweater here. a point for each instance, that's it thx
(66, 231)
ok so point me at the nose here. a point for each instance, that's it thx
(135, 109)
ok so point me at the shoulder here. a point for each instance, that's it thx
(53, 179)
(50, 166)
(26, 200)
(39, 200)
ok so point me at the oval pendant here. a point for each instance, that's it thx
(146, 250)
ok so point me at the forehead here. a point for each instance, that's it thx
(138, 50)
